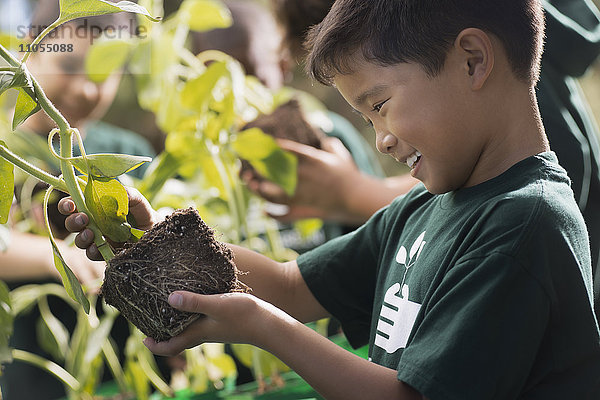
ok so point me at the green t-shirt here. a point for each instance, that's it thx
(480, 293)
(572, 44)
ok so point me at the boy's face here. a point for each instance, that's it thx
(421, 121)
(64, 80)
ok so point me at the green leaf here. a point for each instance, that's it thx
(279, 167)
(163, 167)
(254, 144)
(108, 165)
(196, 94)
(6, 79)
(69, 280)
(53, 336)
(263, 153)
(137, 233)
(26, 106)
(108, 203)
(307, 227)
(98, 337)
(105, 57)
(13, 80)
(72, 9)
(7, 185)
(6, 325)
(204, 15)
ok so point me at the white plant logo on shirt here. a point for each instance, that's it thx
(398, 314)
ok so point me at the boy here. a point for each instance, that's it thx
(476, 284)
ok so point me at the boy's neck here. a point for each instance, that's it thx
(516, 133)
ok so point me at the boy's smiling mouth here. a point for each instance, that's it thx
(412, 160)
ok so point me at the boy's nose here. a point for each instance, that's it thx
(386, 142)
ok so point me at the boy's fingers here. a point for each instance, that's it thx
(84, 239)
(170, 347)
(299, 149)
(66, 206)
(272, 192)
(93, 253)
(76, 222)
(208, 304)
(335, 146)
(190, 302)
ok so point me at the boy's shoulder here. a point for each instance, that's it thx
(533, 197)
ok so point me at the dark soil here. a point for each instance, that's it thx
(179, 253)
(287, 122)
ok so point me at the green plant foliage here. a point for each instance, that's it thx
(196, 94)
(10, 41)
(25, 107)
(52, 335)
(108, 205)
(108, 165)
(6, 324)
(72, 9)
(204, 15)
(7, 183)
(106, 57)
(69, 280)
(263, 153)
(254, 144)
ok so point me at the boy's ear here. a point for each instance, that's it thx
(477, 55)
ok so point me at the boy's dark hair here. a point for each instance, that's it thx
(388, 32)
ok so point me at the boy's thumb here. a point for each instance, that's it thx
(190, 302)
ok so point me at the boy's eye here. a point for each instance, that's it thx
(377, 107)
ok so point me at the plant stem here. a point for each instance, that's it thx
(12, 61)
(40, 37)
(48, 366)
(32, 170)
(66, 151)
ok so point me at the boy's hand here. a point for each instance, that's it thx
(228, 318)
(139, 209)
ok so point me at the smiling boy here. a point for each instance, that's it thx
(474, 285)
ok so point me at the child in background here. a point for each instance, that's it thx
(474, 285)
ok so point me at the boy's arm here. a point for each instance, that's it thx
(240, 318)
(280, 284)
(29, 257)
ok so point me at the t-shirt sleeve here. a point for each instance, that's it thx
(341, 274)
(466, 343)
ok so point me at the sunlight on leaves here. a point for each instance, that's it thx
(204, 15)
(72, 9)
(108, 165)
(197, 92)
(108, 203)
(254, 144)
